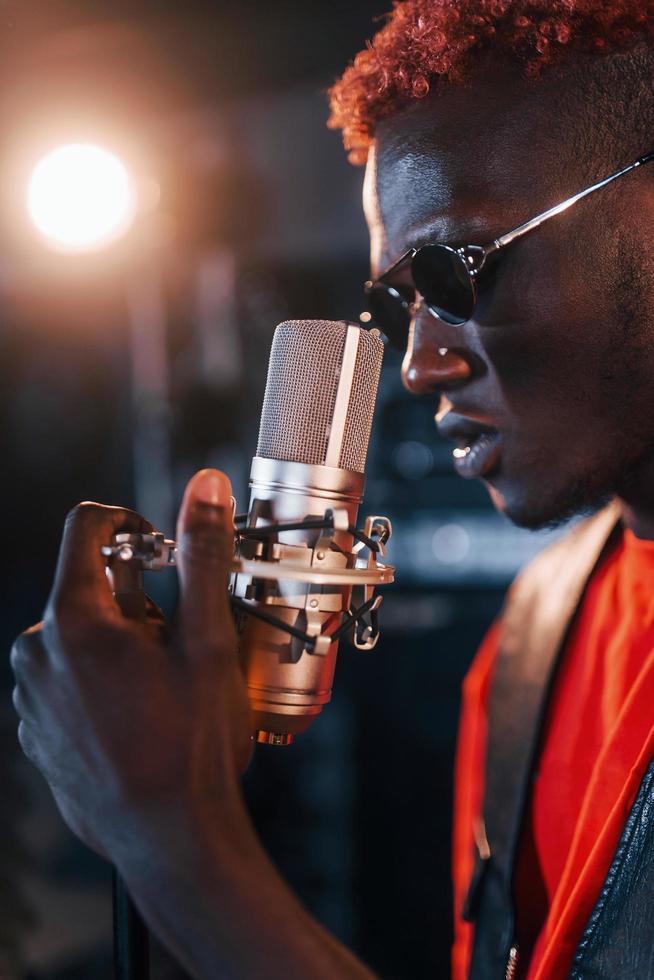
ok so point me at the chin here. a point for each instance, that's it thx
(540, 504)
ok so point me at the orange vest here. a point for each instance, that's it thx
(596, 742)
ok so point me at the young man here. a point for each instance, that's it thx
(474, 117)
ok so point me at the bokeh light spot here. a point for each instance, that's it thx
(451, 543)
(81, 198)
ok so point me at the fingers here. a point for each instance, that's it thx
(80, 585)
(205, 541)
(27, 650)
(27, 661)
(156, 624)
(29, 744)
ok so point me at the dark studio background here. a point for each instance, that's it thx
(254, 217)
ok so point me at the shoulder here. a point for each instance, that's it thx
(580, 546)
(542, 595)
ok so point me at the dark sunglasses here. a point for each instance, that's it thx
(446, 277)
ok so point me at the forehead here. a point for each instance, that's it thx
(467, 164)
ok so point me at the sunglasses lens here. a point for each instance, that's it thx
(443, 280)
(389, 312)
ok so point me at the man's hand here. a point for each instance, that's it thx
(129, 725)
(142, 739)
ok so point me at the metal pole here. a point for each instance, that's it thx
(153, 491)
(131, 943)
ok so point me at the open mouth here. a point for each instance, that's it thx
(479, 457)
(478, 447)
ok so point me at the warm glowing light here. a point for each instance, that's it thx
(81, 198)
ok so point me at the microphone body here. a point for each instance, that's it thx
(287, 684)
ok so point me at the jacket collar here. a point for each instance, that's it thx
(540, 609)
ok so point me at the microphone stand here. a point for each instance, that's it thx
(131, 941)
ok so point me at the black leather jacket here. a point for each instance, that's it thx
(618, 940)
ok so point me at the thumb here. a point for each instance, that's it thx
(205, 542)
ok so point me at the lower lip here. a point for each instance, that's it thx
(480, 458)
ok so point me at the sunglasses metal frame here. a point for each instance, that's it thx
(473, 258)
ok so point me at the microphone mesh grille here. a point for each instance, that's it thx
(303, 376)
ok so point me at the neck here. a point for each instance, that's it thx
(640, 521)
(637, 503)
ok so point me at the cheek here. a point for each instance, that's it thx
(551, 336)
(541, 371)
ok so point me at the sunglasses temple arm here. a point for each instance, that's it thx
(521, 230)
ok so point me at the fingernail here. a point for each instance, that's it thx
(210, 487)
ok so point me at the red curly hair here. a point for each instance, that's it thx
(427, 43)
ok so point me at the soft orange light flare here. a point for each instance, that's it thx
(81, 197)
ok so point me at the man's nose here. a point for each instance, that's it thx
(433, 359)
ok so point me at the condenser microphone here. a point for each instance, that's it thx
(303, 573)
(307, 482)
